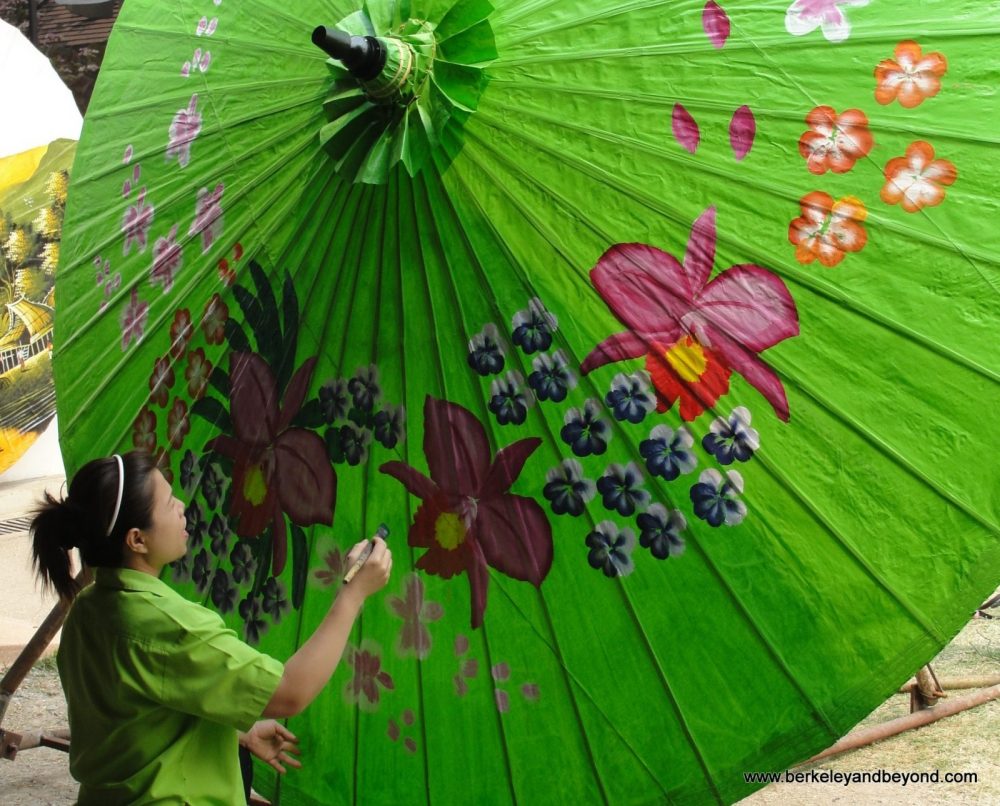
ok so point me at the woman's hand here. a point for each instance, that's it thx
(272, 742)
(374, 574)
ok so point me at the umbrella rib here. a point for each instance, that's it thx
(773, 470)
(810, 281)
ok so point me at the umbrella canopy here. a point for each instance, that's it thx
(659, 335)
(37, 145)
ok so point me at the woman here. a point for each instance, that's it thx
(158, 688)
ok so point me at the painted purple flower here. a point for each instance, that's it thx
(136, 223)
(469, 520)
(660, 531)
(611, 549)
(486, 351)
(364, 688)
(668, 453)
(585, 431)
(716, 498)
(208, 216)
(167, 260)
(567, 489)
(805, 16)
(533, 327)
(184, 128)
(731, 438)
(683, 323)
(621, 488)
(414, 639)
(133, 319)
(276, 469)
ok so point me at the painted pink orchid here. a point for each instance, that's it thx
(469, 520)
(184, 128)
(690, 330)
(277, 469)
(208, 216)
(167, 259)
(136, 223)
(414, 638)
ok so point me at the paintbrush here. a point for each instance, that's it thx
(366, 552)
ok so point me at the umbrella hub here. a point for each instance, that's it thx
(402, 87)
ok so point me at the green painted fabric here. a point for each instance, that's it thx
(157, 689)
(661, 335)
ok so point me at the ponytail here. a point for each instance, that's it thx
(106, 499)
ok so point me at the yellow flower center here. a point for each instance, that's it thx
(255, 485)
(687, 359)
(449, 531)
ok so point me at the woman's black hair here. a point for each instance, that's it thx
(81, 519)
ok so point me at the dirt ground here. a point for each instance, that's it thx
(966, 742)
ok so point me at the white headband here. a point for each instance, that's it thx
(121, 489)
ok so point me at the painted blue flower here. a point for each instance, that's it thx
(486, 353)
(223, 592)
(334, 400)
(364, 388)
(254, 623)
(630, 397)
(717, 499)
(220, 534)
(509, 400)
(244, 563)
(586, 432)
(354, 443)
(551, 378)
(660, 531)
(533, 327)
(201, 572)
(189, 467)
(622, 490)
(567, 489)
(667, 452)
(611, 549)
(274, 599)
(732, 438)
(195, 524)
(389, 424)
(213, 484)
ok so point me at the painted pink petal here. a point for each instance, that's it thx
(307, 487)
(407, 717)
(750, 305)
(501, 672)
(415, 482)
(186, 69)
(685, 129)
(617, 347)
(410, 744)
(699, 257)
(516, 537)
(507, 467)
(503, 701)
(470, 668)
(461, 644)
(461, 687)
(715, 21)
(455, 444)
(127, 156)
(393, 730)
(757, 373)
(530, 691)
(126, 187)
(645, 287)
(432, 611)
(742, 130)
(295, 393)
(253, 399)
(479, 580)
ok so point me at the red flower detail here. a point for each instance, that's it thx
(144, 431)
(213, 321)
(180, 333)
(369, 676)
(178, 424)
(277, 470)
(161, 381)
(827, 229)
(469, 521)
(688, 371)
(197, 373)
(414, 639)
(742, 312)
(835, 142)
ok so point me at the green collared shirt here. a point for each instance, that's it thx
(157, 688)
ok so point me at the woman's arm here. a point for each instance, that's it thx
(309, 669)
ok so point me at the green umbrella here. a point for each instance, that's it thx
(660, 335)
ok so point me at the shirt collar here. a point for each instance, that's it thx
(127, 579)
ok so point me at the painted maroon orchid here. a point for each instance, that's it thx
(469, 521)
(413, 608)
(685, 325)
(277, 469)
